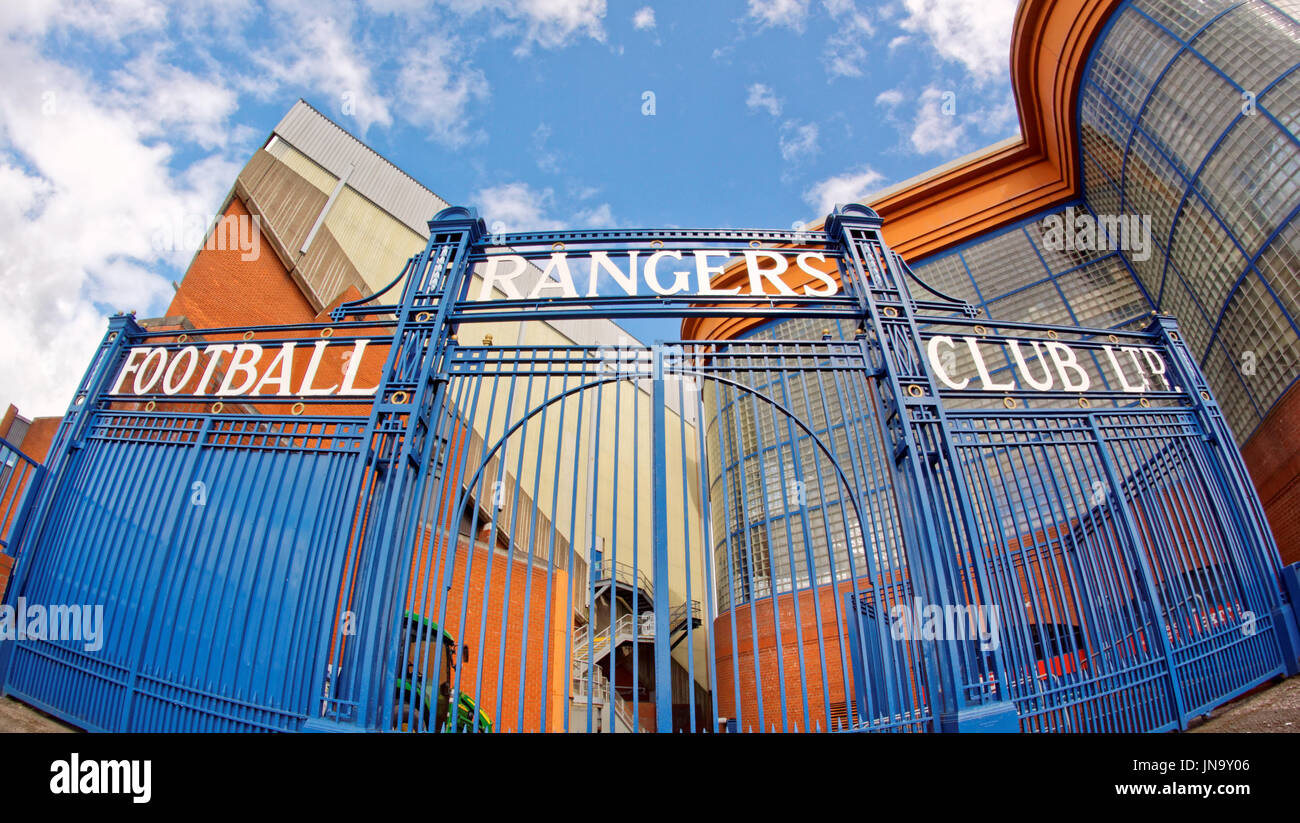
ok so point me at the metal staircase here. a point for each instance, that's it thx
(598, 695)
(624, 628)
(682, 620)
(623, 579)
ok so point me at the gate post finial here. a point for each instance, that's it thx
(460, 217)
(854, 213)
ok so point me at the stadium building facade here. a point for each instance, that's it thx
(1018, 447)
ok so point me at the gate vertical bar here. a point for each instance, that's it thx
(659, 444)
(170, 557)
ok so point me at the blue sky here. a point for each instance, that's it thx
(119, 117)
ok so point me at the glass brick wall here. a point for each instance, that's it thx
(775, 500)
(1022, 273)
(1189, 112)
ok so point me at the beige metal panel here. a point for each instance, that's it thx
(288, 205)
(378, 244)
(327, 270)
(319, 138)
(283, 198)
(303, 165)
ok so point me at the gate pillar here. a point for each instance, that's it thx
(405, 445)
(939, 521)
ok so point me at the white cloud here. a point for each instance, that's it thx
(846, 52)
(396, 6)
(935, 130)
(798, 140)
(948, 124)
(850, 187)
(88, 180)
(517, 206)
(889, 97)
(975, 33)
(546, 23)
(437, 94)
(108, 20)
(552, 23)
(601, 217)
(547, 160)
(790, 14)
(644, 19)
(998, 119)
(165, 98)
(322, 53)
(762, 97)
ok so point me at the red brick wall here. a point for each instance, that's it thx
(500, 642)
(1273, 457)
(741, 654)
(36, 444)
(40, 435)
(6, 563)
(221, 289)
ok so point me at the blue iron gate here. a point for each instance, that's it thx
(1104, 511)
(875, 513)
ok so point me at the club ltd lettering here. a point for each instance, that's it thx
(1044, 365)
(665, 273)
(235, 370)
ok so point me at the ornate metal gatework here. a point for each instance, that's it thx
(483, 508)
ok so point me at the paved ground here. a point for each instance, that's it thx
(1274, 710)
(19, 717)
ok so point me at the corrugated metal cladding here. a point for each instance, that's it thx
(289, 205)
(318, 137)
(377, 253)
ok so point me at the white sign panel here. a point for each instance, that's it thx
(236, 370)
(1044, 366)
(663, 273)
